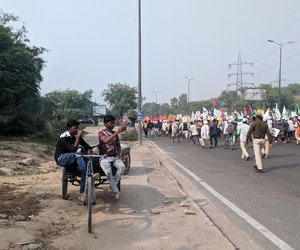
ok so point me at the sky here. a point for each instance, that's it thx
(95, 42)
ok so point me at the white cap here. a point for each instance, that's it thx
(245, 120)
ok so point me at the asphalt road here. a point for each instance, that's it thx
(271, 198)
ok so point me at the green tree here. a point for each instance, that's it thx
(120, 97)
(165, 109)
(62, 105)
(20, 77)
(182, 104)
(151, 109)
(231, 100)
(294, 88)
(198, 105)
(174, 104)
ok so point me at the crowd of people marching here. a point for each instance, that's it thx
(207, 130)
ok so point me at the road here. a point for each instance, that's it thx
(272, 198)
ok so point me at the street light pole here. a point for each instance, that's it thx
(139, 71)
(280, 62)
(189, 82)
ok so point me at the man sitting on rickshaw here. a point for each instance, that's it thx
(66, 147)
(109, 145)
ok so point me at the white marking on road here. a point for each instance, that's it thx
(263, 230)
(187, 171)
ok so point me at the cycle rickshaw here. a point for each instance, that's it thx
(95, 177)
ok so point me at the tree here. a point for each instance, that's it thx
(60, 106)
(151, 109)
(121, 98)
(174, 103)
(20, 77)
(182, 104)
(294, 88)
(165, 109)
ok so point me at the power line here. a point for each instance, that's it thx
(282, 31)
(239, 73)
(276, 64)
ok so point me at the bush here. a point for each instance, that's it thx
(129, 135)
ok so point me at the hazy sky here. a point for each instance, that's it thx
(94, 42)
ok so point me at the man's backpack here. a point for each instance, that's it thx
(184, 127)
(230, 129)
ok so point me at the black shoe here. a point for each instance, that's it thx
(260, 171)
(255, 167)
(248, 158)
(263, 156)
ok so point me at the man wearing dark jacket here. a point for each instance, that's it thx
(66, 147)
(260, 129)
(213, 133)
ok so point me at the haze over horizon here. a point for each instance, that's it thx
(94, 43)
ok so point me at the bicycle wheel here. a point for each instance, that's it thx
(64, 182)
(127, 160)
(90, 191)
(119, 185)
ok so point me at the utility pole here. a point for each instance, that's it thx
(156, 93)
(189, 82)
(239, 73)
(139, 71)
(280, 62)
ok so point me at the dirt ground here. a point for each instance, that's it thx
(153, 213)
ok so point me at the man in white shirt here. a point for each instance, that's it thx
(204, 134)
(265, 150)
(242, 131)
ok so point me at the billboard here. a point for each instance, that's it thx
(255, 94)
(99, 110)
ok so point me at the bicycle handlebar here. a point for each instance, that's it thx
(93, 156)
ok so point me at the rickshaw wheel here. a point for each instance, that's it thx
(119, 185)
(126, 159)
(90, 202)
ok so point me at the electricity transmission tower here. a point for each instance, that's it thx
(239, 84)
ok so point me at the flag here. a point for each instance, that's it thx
(214, 102)
(239, 116)
(245, 111)
(267, 115)
(205, 112)
(296, 109)
(193, 116)
(277, 112)
(171, 117)
(249, 109)
(285, 114)
(178, 116)
(217, 113)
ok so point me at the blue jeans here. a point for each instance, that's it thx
(66, 160)
(215, 137)
(107, 169)
(229, 139)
